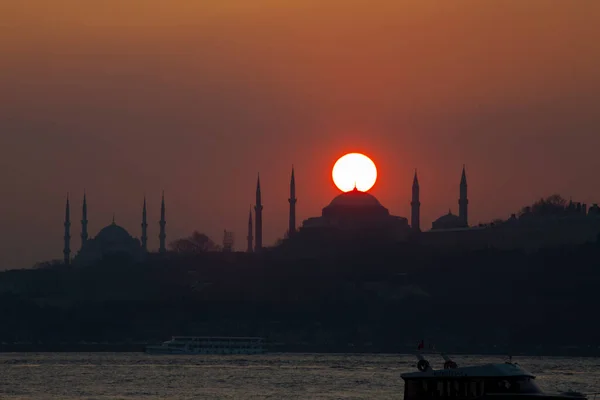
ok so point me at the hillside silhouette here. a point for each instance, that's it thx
(361, 296)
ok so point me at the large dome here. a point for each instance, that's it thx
(358, 213)
(111, 241)
(113, 233)
(355, 205)
(355, 198)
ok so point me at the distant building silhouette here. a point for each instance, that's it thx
(84, 221)
(67, 237)
(228, 241)
(292, 201)
(463, 201)
(258, 218)
(415, 206)
(249, 249)
(163, 234)
(144, 237)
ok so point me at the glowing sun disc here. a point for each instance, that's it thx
(354, 170)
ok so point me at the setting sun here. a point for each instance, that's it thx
(354, 170)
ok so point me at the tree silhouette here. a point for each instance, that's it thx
(551, 205)
(197, 243)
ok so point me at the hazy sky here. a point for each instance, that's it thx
(126, 98)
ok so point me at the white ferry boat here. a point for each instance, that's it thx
(501, 381)
(209, 345)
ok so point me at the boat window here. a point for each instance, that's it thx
(413, 389)
(480, 388)
(460, 388)
(512, 385)
(429, 388)
(442, 388)
(475, 388)
(434, 388)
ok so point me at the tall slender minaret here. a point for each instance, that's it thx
(292, 200)
(162, 235)
(258, 218)
(415, 204)
(463, 201)
(84, 222)
(144, 238)
(67, 237)
(249, 250)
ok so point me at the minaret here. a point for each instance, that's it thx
(67, 237)
(292, 200)
(144, 238)
(249, 250)
(84, 222)
(415, 204)
(463, 202)
(162, 235)
(258, 218)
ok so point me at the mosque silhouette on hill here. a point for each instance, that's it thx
(112, 240)
(359, 213)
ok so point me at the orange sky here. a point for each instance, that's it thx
(196, 97)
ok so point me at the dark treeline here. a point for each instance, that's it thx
(363, 296)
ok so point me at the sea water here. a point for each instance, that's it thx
(136, 376)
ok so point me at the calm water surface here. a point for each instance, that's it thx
(130, 376)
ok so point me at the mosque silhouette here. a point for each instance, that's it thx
(356, 213)
(112, 240)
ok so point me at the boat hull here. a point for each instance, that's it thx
(163, 350)
(531, 396)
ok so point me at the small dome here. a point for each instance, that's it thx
(355, 198)
(113, 233)
(447, 219)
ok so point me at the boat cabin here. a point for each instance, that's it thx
(499, 380)
(209, 345)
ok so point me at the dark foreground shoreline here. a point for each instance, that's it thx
(136, 347)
